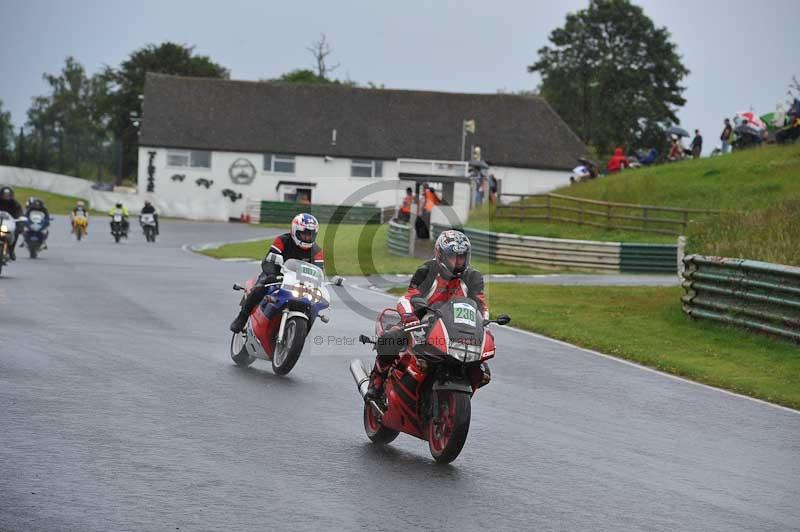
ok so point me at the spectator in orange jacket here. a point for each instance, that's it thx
(404, 214)
(617, 162)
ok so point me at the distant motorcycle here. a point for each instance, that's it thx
(277, 328)
(7, 227)
(35, 232)
(428, 391)
(148, 223)
(118, 229)
(80, 226)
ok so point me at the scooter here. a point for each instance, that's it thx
(277, 328)
(429, 387)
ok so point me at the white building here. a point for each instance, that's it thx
(208, 146)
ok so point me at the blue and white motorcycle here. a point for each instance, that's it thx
(35, 232)
(277, 328)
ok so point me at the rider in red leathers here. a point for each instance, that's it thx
(298, 244)
(448, 275)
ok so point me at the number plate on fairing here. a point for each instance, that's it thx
(464, 313)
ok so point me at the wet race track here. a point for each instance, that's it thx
(120, 409)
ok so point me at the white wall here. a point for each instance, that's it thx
(67, 186)
(529, 181)
(334, 185)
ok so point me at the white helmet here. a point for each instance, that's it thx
(304, 230)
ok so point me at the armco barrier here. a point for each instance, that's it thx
(400, 239)
(484, 243)
(656, 258)
(756, 295)
(281, 211)
(610, 257)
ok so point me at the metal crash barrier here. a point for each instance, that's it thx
(755, 295)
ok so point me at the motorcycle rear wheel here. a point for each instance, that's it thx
(287, 354)
(447, 432)
(239, 352)
(375, 430)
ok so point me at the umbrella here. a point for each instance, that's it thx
(770, 120)
(679, 131)
(752, 120)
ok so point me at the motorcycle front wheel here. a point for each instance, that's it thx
(288, 352)
(239, 352)
(33, 250)
(447, 430)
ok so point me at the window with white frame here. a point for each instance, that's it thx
(283, 164)
(190, 158)
(366, 168)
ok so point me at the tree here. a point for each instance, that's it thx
(301, 75)
(70, 121)
(612, 76)
(128, 80)
(6, 135)
(321, 49)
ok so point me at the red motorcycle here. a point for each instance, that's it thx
(429, 387)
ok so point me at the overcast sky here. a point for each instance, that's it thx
(741, 53)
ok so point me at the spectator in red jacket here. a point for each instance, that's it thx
(617, 162)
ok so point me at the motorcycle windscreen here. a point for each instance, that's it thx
(306, 273)
(462, 319)
(36, 219)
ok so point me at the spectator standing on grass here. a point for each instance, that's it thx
(480, 187)
(697, 144)
(404, 214)
(725, 137)
(492, 189)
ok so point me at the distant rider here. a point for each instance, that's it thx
(150, 209)
(120, 209)
(447, 276)
(35, 204)
(80, 211)
(299, 244)
(12, 207)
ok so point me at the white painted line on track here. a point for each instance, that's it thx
(377, 290)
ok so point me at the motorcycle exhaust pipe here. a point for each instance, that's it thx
(360, 376)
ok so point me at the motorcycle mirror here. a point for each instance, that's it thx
(364, 339)
(237, 286)
(503, 319)
(337, 280)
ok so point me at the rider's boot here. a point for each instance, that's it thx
(253, 298)
(377, 378)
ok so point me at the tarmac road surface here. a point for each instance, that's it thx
(120, 409)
